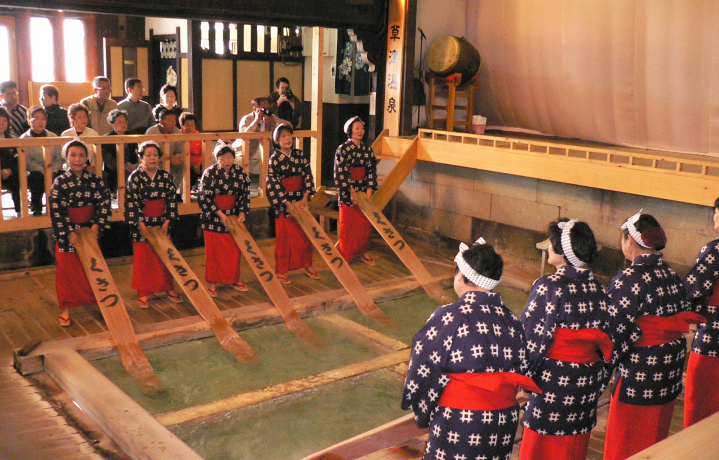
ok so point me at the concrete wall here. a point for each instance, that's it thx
(452, 201)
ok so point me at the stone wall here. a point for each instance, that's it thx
(459, 203)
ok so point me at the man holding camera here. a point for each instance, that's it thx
(283, 95)
(259, 120)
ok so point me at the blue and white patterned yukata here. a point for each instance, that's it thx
(476, 334)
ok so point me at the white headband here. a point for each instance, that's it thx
(630, 226)
(349, 122)
(567, 243)
(220, 146)
(479, 280)
(74, 140)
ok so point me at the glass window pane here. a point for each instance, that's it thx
(219, 38)
(205, 35)
(273, 39)
(260, 39)
(247, 38)
(4, 54)
(233, 38)
(74, 36)
(42, 50)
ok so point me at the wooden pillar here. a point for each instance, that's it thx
(93, 66)
(24, 58)
(400, 67)
(194, 54)
(318, 39)
(58, 38)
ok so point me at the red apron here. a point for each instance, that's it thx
(71, 283)
(154, 208)
(225, 202)
(222, 258)
(149, 274)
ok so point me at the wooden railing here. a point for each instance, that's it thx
(682, 177)
(187, 206)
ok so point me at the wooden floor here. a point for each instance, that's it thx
(29, 313)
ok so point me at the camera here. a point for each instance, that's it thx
(289, 94)
(266, 111)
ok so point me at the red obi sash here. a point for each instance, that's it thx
(714, 299)
(154, 208)
(657, 330)
(357, 173)
(485, 391)
(225, 202)
(81, 215)
(580, 345)
(292, 183)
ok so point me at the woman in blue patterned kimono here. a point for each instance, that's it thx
(289, 179)
(355, 172)
(701, 398)
(567, 348)
(648, 320)
(150, 202)
(78, 198)
(224, 194)
(466, 365)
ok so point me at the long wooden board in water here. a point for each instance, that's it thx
(402, 249)
(263, 271)
(113, 310)
(337, 264)
(199, 297)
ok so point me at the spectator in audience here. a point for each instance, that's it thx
(100, 105)
(37, 119)
(139, 112)
(8, 161)
(261, 119)
(117, 119)
(78, 116)
(57, 121)
(285, 94)
(18, 113)
(168, 100)
(188, 124)
(167, 123)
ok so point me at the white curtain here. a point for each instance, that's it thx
(634, 73)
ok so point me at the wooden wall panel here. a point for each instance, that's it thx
(252, 78)
(217, 105)
(294, 74)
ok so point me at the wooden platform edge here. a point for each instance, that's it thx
(137, 432)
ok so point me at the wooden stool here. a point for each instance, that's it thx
(449, 88)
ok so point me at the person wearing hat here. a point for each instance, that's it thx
(701, 398)
(466, 365)
(289, 179)
(647, 323)
(224, 194)
(78, 198)
(568, 348)
(150, 202)
(355, 172)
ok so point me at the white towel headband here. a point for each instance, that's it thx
(478, 280)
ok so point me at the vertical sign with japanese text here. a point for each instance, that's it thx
(393, 80)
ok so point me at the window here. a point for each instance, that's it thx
(247, 42)
(5, 70)
(233, 38)
(41, 49)
(74, 36)
(260, 39)
(205, 35)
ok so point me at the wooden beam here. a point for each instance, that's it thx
(113, 311)
(696, 442)
(136, 432)
(266, 275)
(337, 264)
(199, 297)
(396, 176)
(318, 40)
(402, 250)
